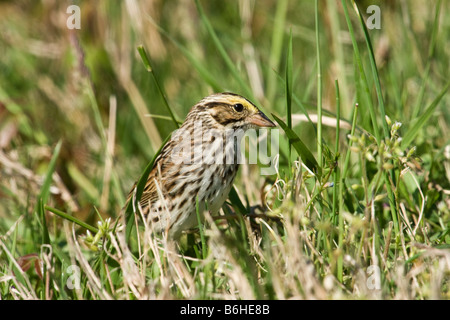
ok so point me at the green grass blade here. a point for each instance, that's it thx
(236, 201)
(288, 91)
(288, 86)
(299, 146)
(97, 115)
(83, 182)
(300, 104)
(71, 218)
(45, 193)
(335, 211)
(362, 73)
(201, 228)
(417, 125)
(41, 214)
(276, 47)
(149, 68)
(319, 89)
(45, 189)
(375, 75)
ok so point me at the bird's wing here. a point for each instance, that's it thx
(150, 193)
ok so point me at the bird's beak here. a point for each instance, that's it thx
(260, 119)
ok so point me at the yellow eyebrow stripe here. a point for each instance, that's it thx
(244, 102)
(229, 99)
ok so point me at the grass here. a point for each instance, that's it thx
(358, 207)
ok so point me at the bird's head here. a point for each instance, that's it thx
(231, 111)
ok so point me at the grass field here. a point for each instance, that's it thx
(359, 206)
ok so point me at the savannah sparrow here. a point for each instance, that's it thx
(198, 163)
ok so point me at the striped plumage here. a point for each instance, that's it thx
(193, 163)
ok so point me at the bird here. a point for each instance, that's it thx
(197, 165)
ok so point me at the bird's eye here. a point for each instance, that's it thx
(238, 107)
